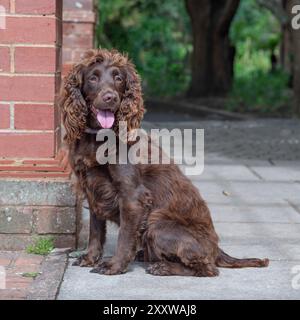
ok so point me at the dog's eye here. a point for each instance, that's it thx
(118, 79)
(93, 78)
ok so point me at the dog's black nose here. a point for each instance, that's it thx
(109, 97)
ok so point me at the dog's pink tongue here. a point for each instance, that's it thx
(105, 118)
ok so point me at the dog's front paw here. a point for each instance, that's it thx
(109, 268)
(86, 260)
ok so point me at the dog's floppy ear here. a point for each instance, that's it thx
(72, 104)
(132, 106)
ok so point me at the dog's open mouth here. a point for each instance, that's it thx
(106, 118)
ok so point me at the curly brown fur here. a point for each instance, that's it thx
(157, 207)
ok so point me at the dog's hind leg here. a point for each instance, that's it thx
(176, 251)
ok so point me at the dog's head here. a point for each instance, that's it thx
(99, 92)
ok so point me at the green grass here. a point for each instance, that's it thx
(30, 274)
(41, 246)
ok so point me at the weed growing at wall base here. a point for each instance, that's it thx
(41, 245)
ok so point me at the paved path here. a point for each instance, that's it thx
(251, 182)
(17, 270)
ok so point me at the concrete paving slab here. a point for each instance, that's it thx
(289, 251)
(287, 164)
(237, 231)
(274, 282)
(277, 173)
(268, 212)
(226, 172)
(248, 191)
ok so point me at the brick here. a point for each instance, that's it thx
(16, 220)
(6, 162)
(13, 294)
(5, 4)
(58, 145)
(50, 193)
(59, 32)
(35, 60)
(27, 268)
(14, 145)
(66, 69)
(34, 175)
(78, 54)
(81, 16)
(58, 60)
(35, 7)
(71, 28)
(67, 55)
(35, 30)
(71, 5)
(14, 242)
(4, 59)
(20, 242)
(4, 262)
(56, 220)
(37, 162)
(34, 117)
(27, 88)
(81, 41)
(65, 241)
(4, 116)
(18, 282)
(29, 259)
(32, 168)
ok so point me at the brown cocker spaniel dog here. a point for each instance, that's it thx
(157, 208)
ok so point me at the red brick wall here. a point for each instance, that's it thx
(30, 49)
(78, 30)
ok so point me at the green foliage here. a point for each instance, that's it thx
(261, 92)
(41, 246)
(156, 36)
(256, 34)
(255, 28)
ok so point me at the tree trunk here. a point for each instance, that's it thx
(213, 56)
(295, 55)
(296, 64)
(286, 47)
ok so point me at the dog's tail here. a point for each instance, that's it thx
(225, 261)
